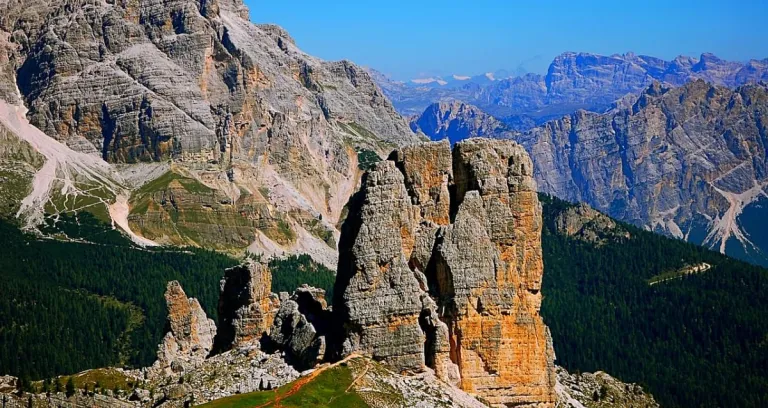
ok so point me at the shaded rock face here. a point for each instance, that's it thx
(441, 266)
(246, 306)
(191, 333)
(300, 327)
(457, 121)
(689, 162)
(253, 317)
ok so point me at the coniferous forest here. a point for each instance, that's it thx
(70, 306)
(696, 340)
(700, 340)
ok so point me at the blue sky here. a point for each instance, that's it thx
(406, 39)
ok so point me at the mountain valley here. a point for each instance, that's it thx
(196, 212)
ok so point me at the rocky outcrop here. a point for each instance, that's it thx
(575, 81)
(440, 266)
(599, 390)
(246, 306)
(190, 336)
(266, 135)
(582, 222)
(300, 327)
(457, 121)
(689, 162)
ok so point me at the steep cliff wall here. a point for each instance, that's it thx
(689, 162)
(440, 266)
(261, 139)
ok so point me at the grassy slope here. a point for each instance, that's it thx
(328, 389)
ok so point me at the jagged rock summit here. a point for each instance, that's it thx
(456, 121)
(441, 265)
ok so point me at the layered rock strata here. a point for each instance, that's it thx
(441, 266)
(263, 138)
(688, 162)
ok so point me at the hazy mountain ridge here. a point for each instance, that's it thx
(576, 81)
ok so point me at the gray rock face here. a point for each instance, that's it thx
(246, 306)
(382, 300)
(235, 106)
(599, 390)
(585, 223)
(157, 78)
(300, 327)
(191, 334)
(685, 161)
(457, 121)
(576, 81)
(440, 267)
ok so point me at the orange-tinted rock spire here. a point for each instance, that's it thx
(441, 266)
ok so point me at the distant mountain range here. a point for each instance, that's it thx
(573, 81)
(689, 161)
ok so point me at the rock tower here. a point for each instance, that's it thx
(440, 266)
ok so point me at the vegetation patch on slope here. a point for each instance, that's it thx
(293, 271)
(85, 305)
(698, 340)
(330, 388)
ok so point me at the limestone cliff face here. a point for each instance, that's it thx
(689, 162)
(441, 266)
(270, 134)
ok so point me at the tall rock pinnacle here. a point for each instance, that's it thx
(441, 265)
(191, 334)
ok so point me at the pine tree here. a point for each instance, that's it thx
(70, 387)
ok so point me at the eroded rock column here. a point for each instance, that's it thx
(191, 334)
(247, 306)
(441, 266)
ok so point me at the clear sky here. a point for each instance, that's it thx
(406, 39)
